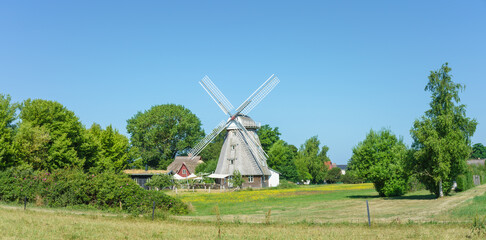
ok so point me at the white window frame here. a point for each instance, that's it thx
(250, 179)
(184, 171)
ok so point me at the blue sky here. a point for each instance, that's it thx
(345, 66)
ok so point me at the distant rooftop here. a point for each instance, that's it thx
(476, 161)
(342, 166)
(143, 172)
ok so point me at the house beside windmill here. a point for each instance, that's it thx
(141, 177)
(184, 166)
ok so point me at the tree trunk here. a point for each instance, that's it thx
(441, 193)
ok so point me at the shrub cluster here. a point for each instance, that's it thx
(71, 187)
(465, 181)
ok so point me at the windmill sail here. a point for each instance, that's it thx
(241, 149)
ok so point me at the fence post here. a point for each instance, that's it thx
(153, 211)
(25, 203)
(368, 209)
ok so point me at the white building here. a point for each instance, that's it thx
(274, 179)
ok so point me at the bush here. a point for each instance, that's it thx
(351, 178)
(414, 184)
(394, 187)
(464, 181)
(286, 184)
(160, 181)
(72, 187)
(334, 175)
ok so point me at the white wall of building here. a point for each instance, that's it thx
(274, 179)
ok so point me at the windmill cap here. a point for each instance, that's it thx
(246, 121)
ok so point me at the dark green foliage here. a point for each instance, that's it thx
(210, 154)
(112, 149)
(333, 175)
(268, 136)
(351, 178)
(281, 157)
(207, 167)
(160, 181)
(7, 131)
(464, 182)
(380, 159)
(51, 136)
(310, 161)
(441, 137)
(479, 151)
(163, 132)
(414, 184)
(70, 187)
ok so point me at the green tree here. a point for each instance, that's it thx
(479, 151)
(207, 167)
(112, 147)
(160, 181)
(7, 131)
(310, 161)
(67, 145)
(163, 132)
(281, 157)
(380, 158)
(441, 137)
(237, 179)
(333, 175)
(33, 144)
(210, 154)
(268, 136)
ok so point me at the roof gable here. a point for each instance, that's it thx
(190, 164)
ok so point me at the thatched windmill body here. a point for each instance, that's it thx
(241, 149)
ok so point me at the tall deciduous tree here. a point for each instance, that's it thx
(112, 147)
(333, 175)
(163, 132)
(7, 131)
(442, 136)
(310, 161)
(52, 126)
(281, 157)
(479, 151)
(380, 158)
(268, 136)
(33, 144)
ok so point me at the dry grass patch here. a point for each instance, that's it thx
(20, 224)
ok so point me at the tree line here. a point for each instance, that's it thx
(441, 145)
(45, 135)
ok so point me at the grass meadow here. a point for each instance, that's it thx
(307, 212)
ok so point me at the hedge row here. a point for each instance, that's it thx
(71, 187)
(465, 181)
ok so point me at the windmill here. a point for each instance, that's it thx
(241, 149)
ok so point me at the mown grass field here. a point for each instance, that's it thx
(310, 212)
(327, 203)
(19, 224)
